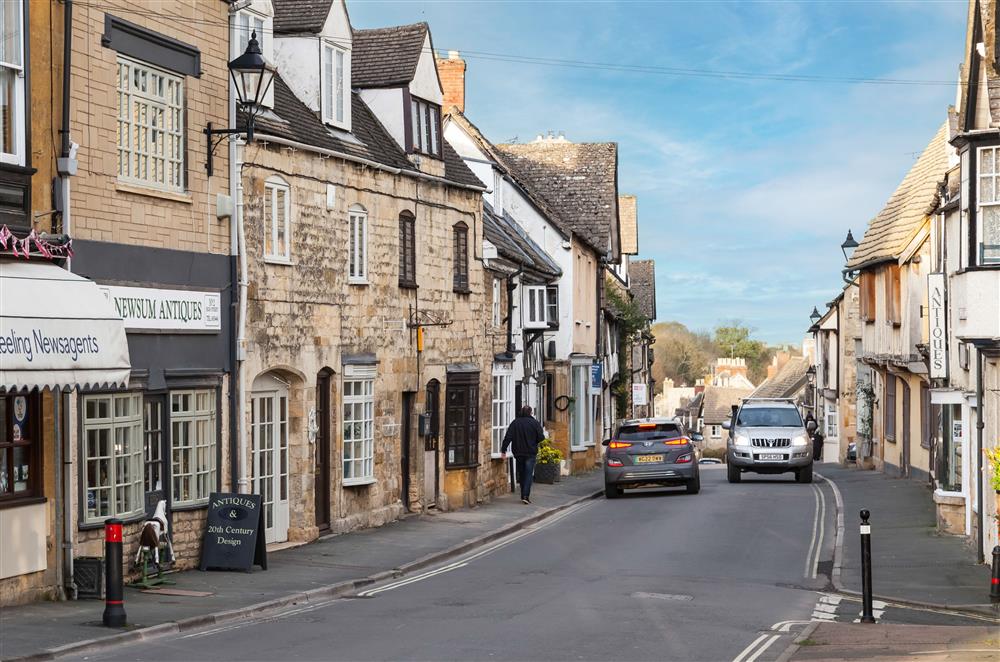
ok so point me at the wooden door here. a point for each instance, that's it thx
(907, 435)
(322, 468)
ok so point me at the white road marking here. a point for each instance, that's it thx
(822, 531)
(764, 641)
(764, 647)
(830, 609)
(816, 543)
(746, 651)
(831, 599)
(838, 547)
(663, 596)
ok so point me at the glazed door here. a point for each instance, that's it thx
(322, 474)
(270, 461)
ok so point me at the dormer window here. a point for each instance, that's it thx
(247, 23)
(425, 127)
(336, 77)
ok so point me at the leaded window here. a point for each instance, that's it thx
(150, 126)
(112, 456)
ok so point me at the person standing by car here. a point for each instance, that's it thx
(524, 434)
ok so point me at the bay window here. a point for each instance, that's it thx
(988, 226)
(20, 447)
(535, 308)
(359, 425)
(112, 450)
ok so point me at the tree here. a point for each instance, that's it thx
(733, 339)
(681, 354)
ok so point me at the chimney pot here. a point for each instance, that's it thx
(453, 55)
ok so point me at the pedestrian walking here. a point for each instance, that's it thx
(522, 437)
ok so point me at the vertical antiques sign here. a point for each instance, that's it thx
(938, 326)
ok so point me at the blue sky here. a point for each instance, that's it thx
(746, 187)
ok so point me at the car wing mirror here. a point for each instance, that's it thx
(605, 442)
(697, 437)
(727, 425)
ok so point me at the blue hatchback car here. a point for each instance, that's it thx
(652, 452)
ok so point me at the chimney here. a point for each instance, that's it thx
(452, 73)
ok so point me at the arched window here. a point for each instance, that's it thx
(357, 245)
(277, 220)
(407, 250)
(461, 257)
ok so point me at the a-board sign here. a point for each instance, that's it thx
(234, 535)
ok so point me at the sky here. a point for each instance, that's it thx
(746, 186)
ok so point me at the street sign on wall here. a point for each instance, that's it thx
(596, 378)
(152, 309)
(639, 398)
(938, 326)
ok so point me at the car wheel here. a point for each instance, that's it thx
(733, 473)
(805, 474)
(611, 491)
(694, 485)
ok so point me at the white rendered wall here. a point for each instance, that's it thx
(387, 105)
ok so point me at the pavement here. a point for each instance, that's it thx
(331, 565)
(911, 561)
(826, 642)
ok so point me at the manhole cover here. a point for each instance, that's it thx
(662, 596)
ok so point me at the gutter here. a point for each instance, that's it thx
(260, 137)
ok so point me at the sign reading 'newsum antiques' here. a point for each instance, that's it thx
(938, 326)
(149, 309)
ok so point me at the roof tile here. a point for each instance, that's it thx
(386, 57)
(642, 283)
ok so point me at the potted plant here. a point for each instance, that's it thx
(547, 463)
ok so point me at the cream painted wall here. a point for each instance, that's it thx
(585, 270)
(297, 61)
(425, 83)
(387, 105)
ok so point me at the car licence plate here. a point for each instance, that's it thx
(648, 459)
(772, 456)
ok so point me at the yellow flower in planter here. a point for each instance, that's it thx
(993, 456)
(547, 453)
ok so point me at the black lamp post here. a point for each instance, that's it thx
(848, 246)
(814, 317)
(252, 76)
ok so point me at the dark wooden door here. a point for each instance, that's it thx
(406, 439)
(322, 472)
(461, 420)
(906, 436)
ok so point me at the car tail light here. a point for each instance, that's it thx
(683, 459)
(647, 426)
(614, 463)
(619, 444)
(676, 442)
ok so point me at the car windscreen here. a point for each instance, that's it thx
(769, 417)
(648, 432)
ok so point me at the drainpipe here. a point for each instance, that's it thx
(511, 288)
(244, 480)
(66, 166)
(980, 403)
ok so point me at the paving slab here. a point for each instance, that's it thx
(29, 629)
(848, 641)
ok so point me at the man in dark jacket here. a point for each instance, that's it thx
(524, 434)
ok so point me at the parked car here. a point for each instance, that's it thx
(768, 436)
(709, 460)
(852, 452)
(651, 452)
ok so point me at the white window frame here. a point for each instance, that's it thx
(358, 410)
(129, 98)
(832, 427)
(125, 430)
(335, 95)
(552, 304)
(357, 245)
(714, 431)
(17, 155)
(535, 307)
(201, 449)
(582, 407)
(269, 424)
(423, 115)
(497, 313)
(272, 187)
(246, 23)
(502, 412)
(993, 178)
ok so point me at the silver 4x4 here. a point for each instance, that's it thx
(768, 436)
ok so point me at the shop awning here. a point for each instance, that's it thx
(57, 330)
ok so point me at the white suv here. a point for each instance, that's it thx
(767, 436)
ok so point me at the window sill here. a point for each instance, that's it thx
(18, 502)
(361, 283)
(496, 456)
(459, 467)
(99, 524)
(358, 482)
(284, 261)
(189, 505)
(124, 187)
(577, 449)
(407, 285)
(461, 290)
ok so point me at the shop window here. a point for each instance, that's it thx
(192, 443)
(152, 441)
(949, 473)
(151, 148)
(20, 447)
(359, 425)
(503, 405)
(112, 463)
(461, 421)
(581, 408)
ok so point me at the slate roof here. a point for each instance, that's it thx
(719, 401)
(368, 139)
(787, 382)
(578, 180)
(628, 217)
(513, 243)
(298, 16)
(642, 283)
(457, 116)
(908, 207)
(386, 57)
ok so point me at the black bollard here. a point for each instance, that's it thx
(866, 568)
(114, 583)
(995, 580)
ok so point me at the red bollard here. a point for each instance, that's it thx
(114, 582)
(995, 581)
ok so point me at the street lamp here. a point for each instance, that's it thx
(252, 77)
(814, 317)
(848, 246)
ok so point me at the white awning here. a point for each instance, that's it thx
(57, 330)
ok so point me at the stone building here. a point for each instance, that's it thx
(643, 287)
(366, 304)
